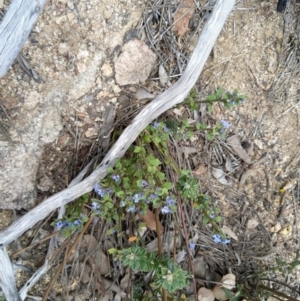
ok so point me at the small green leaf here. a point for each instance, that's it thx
(137, 149)
(211, 97)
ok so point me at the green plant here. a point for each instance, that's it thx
(167, 274)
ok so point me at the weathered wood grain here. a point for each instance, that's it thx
(15, 29)
(7, 280)
(171, 97)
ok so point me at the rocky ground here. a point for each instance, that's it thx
(87, 53)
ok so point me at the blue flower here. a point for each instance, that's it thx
(144, 183)
(232, 102)
(136, 198)
(95, 206)
(59, 225)
(77, 222)
(192, 245)
(225, 124)
(116, 178)
(170, 201)
(123, 204)
(212, 215)
(131, 209)
(108, 190)
(165, 210)
(99, 190)
(166, 130)
(153, 196)
(225, 241)
(217, 238)
(156, 125)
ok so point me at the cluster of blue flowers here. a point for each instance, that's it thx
(156, 125)
(218, 239)
(136, 198)
(64, 224)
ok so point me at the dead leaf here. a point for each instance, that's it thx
(188, 150)
(142, 93)
(219, 174)
(205, 294)
(182, 17)
(163, 76)
(90, 242)
(132, 238)
(149, 219)
(168, 243)
(102, 263)
(199, 265)
(228, 281)
(125, 281)
(229, 232)
(180, 256)
(200, 170)
(178, 111)
(219, 293)
(235, 144)
(228, 164)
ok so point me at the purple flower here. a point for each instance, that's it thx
(165, 210)
(166, 130)
(116, 178)
(77, 222)
(123, 204)
(99, 190)
(170, 201)
(232, 102)
(131, 209)
(95, 206)
(156, 125)
(192, 245)
(212, 215)
(217, 238)
(225, 124)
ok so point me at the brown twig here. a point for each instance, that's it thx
(180, 207)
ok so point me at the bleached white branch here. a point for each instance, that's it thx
(15, 29)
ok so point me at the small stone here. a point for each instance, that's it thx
(252, 223)
(91, 133)
(63, 48)
(106, 70)
(132, 89)
(116, 89)
(70, 5)
(81, 67)
(45, 184)
(276, 228)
